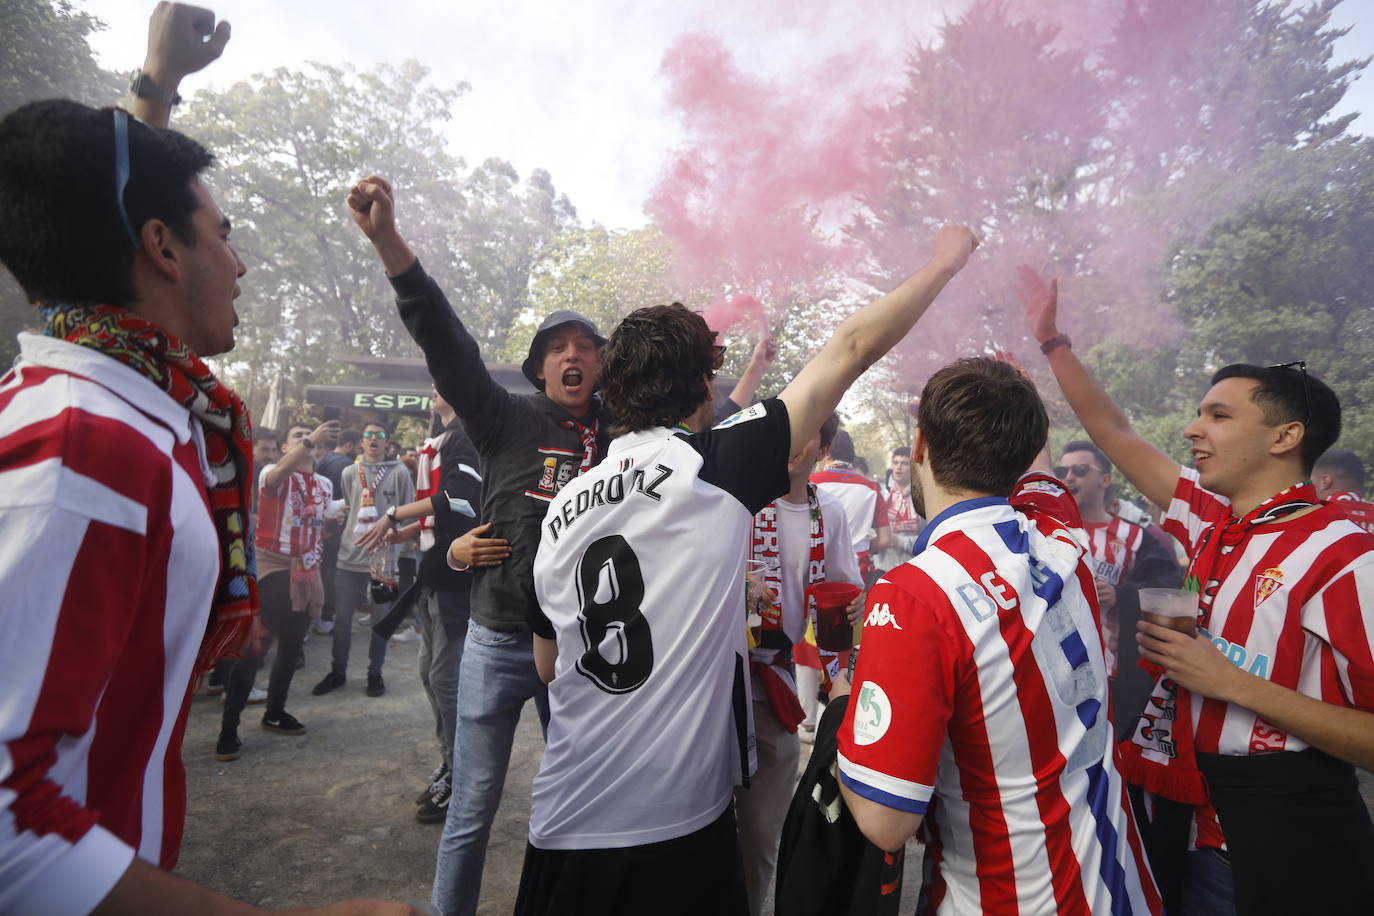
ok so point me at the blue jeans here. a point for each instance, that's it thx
(495, 678)
(1207, 886)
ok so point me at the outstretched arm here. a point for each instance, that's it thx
(866, 336)
(1154, 473)
(765, 351)
(181, 40)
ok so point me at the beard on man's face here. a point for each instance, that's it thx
(918, 496)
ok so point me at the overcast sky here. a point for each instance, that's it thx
(573, 87)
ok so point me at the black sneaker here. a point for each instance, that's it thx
(332, 681)
(229, 747)
(375, 685)
(283, 723)
(435, 808)
(440, 775)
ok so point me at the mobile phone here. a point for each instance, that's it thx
(330, 412)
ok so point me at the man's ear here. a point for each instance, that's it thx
(163, 249)
(918, 449)
(1287, 439)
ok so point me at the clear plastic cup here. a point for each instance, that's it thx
(1170, 607)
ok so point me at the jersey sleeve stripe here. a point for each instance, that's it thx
(1113, 875)
(888, 791)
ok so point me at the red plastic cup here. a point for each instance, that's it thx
(834, 633)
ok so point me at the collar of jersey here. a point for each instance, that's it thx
(641, 437)
(959, 508)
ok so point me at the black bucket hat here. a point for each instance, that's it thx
(534, 362)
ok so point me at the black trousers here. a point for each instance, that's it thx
(701, 873)
(289, 628)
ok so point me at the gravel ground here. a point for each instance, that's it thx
(330, 814)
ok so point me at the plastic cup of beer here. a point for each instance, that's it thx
(834, 633)
(1170, 607)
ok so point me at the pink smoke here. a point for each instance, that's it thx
(1057, 129)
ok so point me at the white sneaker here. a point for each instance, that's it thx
(324, 627)
(363, 620)
(807, 733)
(409, 634)
(255, 695)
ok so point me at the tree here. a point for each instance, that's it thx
(44, 55)
(290, 144)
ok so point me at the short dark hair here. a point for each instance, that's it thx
(983, 423)
(861, 464)
(262, 433)
(842, 447)
(1344, 463)
(61, 235)
(1104, 464)
(902, 451)
(349, 436)
(380, 425)
(656, 367)
(828, 429)
(1280, 398)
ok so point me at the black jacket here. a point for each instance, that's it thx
(526, 454)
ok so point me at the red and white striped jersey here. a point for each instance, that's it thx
(863, 502)
(1113, 544)
(1294, 604)
(291, 515)
(1359, 511)
(108, 564)
(980, 701)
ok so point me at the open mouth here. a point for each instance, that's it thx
(1199, 457)
(572, 378)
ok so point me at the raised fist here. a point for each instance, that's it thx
(182, 39)
(952, 246)
(372, 206)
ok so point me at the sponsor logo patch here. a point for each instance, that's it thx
(754, 412)
(873, 715)
(1043, 486)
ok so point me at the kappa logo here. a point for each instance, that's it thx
(873, 716)
(1266, 583)
(881, 616)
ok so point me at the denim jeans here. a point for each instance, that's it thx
(1207, 886)
(496, 677)
(441, 653)
(350, 591)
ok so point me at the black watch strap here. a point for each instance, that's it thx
(1058, 340)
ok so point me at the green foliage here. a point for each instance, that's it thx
(44, 54)
(291, 144)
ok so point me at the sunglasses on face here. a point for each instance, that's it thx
(1078, 470)
(718, 357)
(374, 434)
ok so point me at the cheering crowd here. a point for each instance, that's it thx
(672, 582)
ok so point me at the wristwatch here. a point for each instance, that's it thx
(143, 87)
(391, 514)
(1058, 340)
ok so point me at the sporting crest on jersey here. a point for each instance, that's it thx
(1266, 583)
(754, 412)
(873, 714)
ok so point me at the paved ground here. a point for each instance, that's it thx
(327, 815)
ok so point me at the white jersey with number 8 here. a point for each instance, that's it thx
(639, 576)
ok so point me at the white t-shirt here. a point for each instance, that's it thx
(640, 579)
(794, 556)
